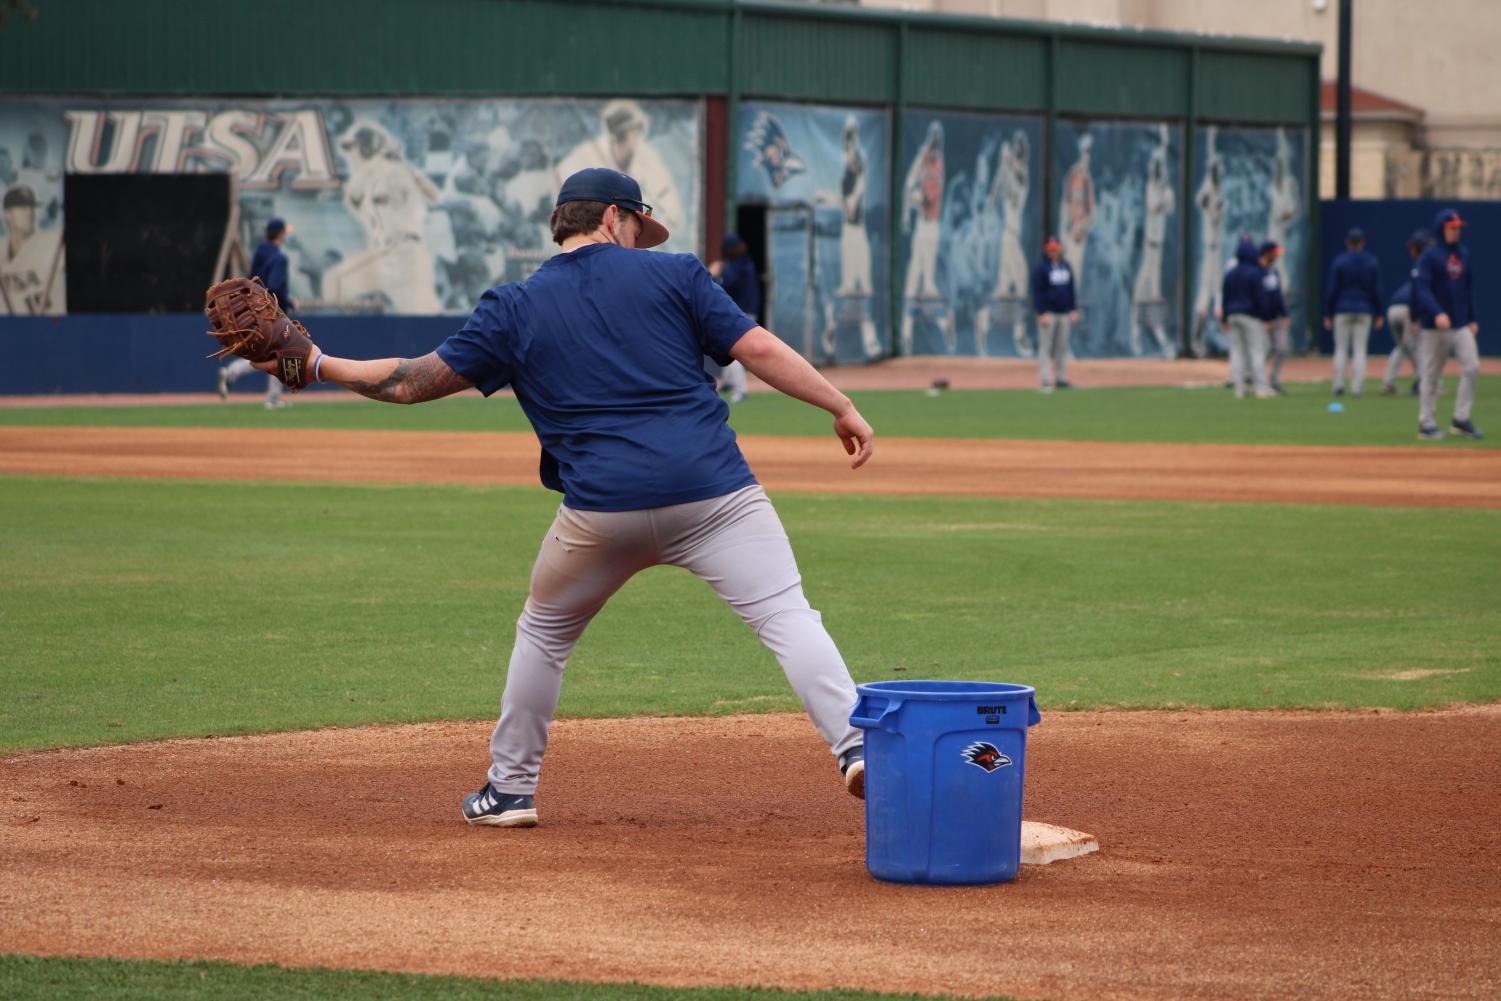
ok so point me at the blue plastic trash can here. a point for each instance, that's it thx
(944, 766)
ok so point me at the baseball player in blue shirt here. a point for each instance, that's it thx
(1274, 315)
(1443, 309)
(1057, 311)
(1243, 315)
(269, 264)
(604, 348)
(1352, 302)
(736, 273)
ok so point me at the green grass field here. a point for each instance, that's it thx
(1163, 414)
(135, 610)
(139, 609)
(27, 978)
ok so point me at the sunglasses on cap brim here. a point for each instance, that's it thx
(641, 207)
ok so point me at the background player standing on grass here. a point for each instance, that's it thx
(1057, 310)
(1399, 322)
(604, 349)
(1274, 313)
(1009, 192)
(1443, 308)
(736, 274)
(269, 264)
(1352, 302)
(1243, 316)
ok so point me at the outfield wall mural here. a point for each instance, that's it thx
(1116, 185)
(971, 220)
(404, 206)
(822, 174)
(1246, 184)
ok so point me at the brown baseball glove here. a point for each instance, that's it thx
(248, 322)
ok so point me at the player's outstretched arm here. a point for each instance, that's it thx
(783, 369)
(391, 380)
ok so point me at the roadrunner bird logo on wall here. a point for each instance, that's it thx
(986, 756)
(767, 139)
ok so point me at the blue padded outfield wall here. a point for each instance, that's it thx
(1387, 225)
(165, 353)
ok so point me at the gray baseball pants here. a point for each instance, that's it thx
(242, 366)
(1399, 322)
(1248, 342)
(1052, 349)
(734, 543)
(1434, 347)
(1352, 332)
(1280, 340)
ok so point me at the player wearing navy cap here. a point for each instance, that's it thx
(1274, 314)
(603, 347)
(1443, 308)
(1352, 304)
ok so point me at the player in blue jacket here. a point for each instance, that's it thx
(1352, 304)
(1057, 311)
(1274, 312)
(269, 265)
(1443, 309)
(736, 274)
(1243, 298)
(1399, 322)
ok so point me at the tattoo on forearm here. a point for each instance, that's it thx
(414, 380)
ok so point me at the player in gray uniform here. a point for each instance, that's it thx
(1443, 309)
(603, 347)
(1399, 322)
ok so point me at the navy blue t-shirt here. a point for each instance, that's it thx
(604, 347)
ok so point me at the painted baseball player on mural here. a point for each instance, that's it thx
(922, 209)
(621, 144)
(33, 265)
(642, 487)
(390, 198)
(1008, 193)
(855, 294)
(1149, 308)
(1076, 209)
(32, 270)
(1210, 201)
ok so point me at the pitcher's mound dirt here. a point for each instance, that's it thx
(1244, 855)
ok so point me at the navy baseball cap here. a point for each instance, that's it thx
(1356, 235)
(1270, 247)
(730, 242)
(601, 184)
(276, 227)
(1450, 216)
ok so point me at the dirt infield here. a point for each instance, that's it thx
(1244, 855)
(897, 373)
(1287, 474)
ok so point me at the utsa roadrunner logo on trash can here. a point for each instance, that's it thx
(986, 756)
